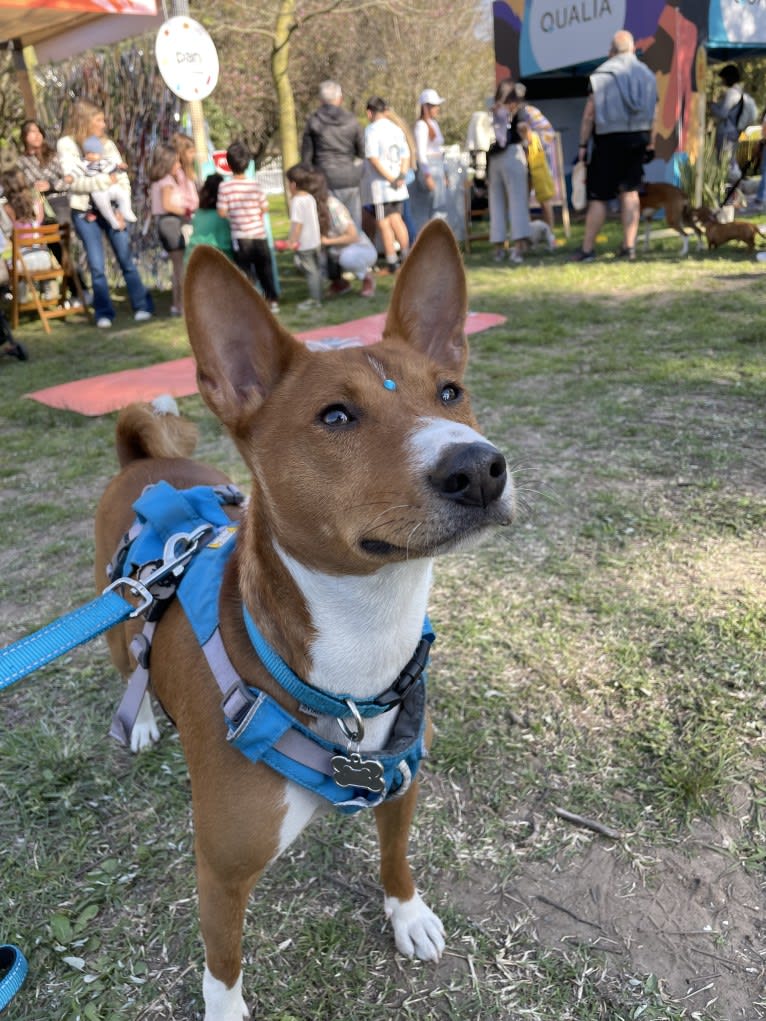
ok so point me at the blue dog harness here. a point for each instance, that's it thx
(258, 726)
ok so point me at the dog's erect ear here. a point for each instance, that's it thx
(240, 348)
(429, 303)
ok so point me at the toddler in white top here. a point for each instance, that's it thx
(118, 193)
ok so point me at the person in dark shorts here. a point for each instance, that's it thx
(384, 191)
(619, 115)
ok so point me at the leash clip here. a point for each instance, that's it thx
(191, 542)
(172, 563)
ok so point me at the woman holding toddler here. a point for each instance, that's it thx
(87, 121)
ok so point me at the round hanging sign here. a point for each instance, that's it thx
(187, 58)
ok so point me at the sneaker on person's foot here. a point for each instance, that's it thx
(274, 307)
(624, 252)
(582, 256)
(515, 257)
(104, 323)
(142, 315)
(339, 286)
(309, 303)
(368, 287)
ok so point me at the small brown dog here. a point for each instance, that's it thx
(656, 195)
(720, 233)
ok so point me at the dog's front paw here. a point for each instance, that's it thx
(145, 731)
(418, 932)
(222, 1003)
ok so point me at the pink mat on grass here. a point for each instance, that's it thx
(98, 395)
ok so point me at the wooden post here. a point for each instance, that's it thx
(24, 77)
(180, 8)
(699, 126)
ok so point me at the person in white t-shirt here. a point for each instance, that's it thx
(305, 237)
(387, 160)
(430, 191)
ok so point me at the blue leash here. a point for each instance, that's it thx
(15, 966)
(61, 636)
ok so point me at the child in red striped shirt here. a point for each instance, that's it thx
(243, 202)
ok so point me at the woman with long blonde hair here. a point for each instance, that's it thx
(85, 120)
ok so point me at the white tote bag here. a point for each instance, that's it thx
(579, 193)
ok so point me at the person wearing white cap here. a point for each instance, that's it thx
(429, 196)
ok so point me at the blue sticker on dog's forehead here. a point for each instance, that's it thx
(388, 383)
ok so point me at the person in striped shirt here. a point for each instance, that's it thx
(244, 204)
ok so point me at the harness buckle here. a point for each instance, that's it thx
(411, 673)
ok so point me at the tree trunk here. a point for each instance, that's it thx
(280, 56)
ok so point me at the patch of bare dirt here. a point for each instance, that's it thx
(690, 914)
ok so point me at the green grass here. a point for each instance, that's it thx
(606, 655)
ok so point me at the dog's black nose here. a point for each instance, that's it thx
(473, 474)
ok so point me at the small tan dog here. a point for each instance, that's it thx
(720, 233)
(656, 195)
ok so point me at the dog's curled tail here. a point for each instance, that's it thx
(154, 430)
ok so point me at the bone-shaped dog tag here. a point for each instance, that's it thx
(354, 771)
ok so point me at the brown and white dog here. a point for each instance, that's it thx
(719, 233)
(366, 463)
(657, 195)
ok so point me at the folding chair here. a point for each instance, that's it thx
(33, 263)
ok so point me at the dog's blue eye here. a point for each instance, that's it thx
(450, 393)
(336, 414)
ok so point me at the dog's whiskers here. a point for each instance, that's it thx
(409, 538)
(377, 520)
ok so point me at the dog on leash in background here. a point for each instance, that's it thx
(719, 233)
(366, 463)
(657, 195)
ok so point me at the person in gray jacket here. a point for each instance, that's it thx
(333, 142)
(619, 115)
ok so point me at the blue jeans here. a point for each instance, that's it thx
(352, 200)
(425, 204)
(91, 233)
(308, 265)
